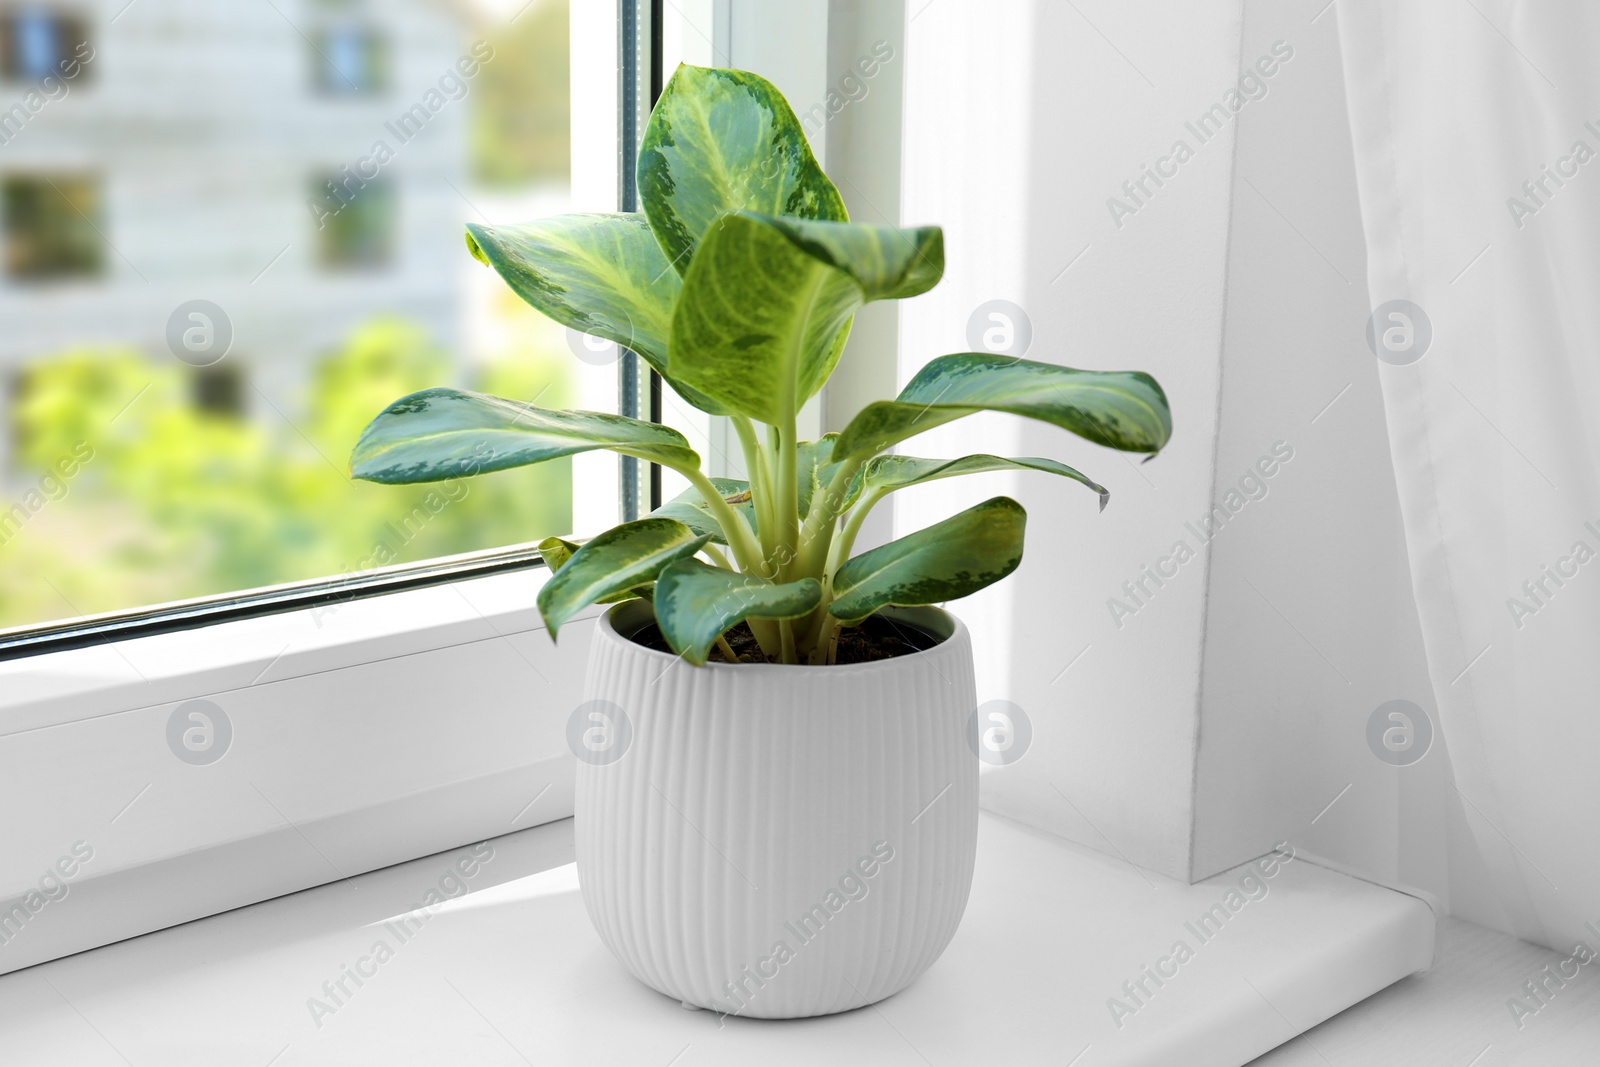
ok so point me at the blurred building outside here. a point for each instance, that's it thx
(303, 168)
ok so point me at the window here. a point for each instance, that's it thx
(350, 60)
(332, 254)
(50, 230)
(37, 42)
(219, 390)
(355, 228)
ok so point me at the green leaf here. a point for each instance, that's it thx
(690, 508)
(948, 560)
(599, 274)
(447, 433)
(888, 262)
(1119, 409)
(556, 551)
(696, 603)
(767, 302)
(812, 464)
(720, 141)
(615, 562)
(888, 473)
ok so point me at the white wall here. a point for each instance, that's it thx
(1022, 120)
(1223, 710)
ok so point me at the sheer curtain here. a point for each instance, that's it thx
(1476, 126)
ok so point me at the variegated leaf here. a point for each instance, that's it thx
(615, 562)
(690, 508)
(767, 304)
(557, 550)
(721, 141)
(696, 603)
(885, 474)
(448, 433)
(946, 561)
(1119, 409)
(600, 274)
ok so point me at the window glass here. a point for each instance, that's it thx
(49, 226)
(38, 43)
(355, 221)
(350, 59)
(215, 277)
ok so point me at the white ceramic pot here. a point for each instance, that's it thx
(777, 841)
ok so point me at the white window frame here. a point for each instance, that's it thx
(364, 732)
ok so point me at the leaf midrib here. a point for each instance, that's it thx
(724, 177)
(556, 436)
(620, 280)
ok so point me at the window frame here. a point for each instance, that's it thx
(638, 52)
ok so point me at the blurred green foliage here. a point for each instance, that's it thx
(521, 130)
(177, 502)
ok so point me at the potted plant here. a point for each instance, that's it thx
(777, 800)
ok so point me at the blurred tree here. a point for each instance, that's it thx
(522, 102)
(176, 502)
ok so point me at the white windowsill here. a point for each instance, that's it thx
(511, 972)
(363, 735)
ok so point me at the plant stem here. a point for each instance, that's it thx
(741, 540)
(827, 639)
(817, 535)
(787, 498)
(824, 630)
(786, 509)
(817, 655)
(743, 543)
(840, 551)
(716, 556)
(817, 550)
(748, 551)
(726, 649)
(766, 635)
(755, 465)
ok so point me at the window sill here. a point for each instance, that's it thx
(363, 735)
(511, 971)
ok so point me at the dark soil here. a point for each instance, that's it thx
(876, 638)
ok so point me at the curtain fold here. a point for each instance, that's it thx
(1476, 127)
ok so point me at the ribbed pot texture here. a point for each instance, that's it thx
(777, 841)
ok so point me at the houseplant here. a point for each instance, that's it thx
(792, 708)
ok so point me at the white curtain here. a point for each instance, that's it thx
(1476, 126)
